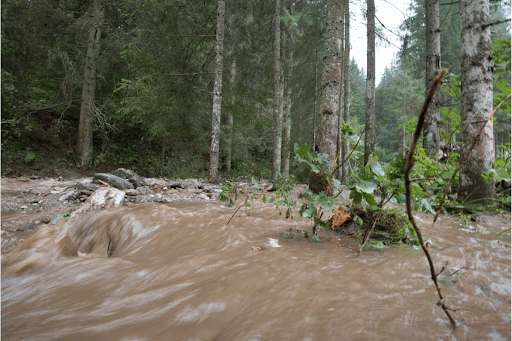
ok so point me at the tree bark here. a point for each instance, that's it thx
(229, 130)
(476, 99)
(217, 91)
(288, 114)
(329, 102)
(369, 139)
(85, 127)
(277, 92)
(346, 95)
(316, 98)
(339, 148)
(431, 138)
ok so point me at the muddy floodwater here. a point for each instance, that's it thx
(177, 272)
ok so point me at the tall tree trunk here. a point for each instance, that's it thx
(316, 98)
(476, 99)
(85, 127)
(431, 138)
(369, 139)
(340, 104)
(346, 95)
(217, 91)
(288, 113)
(277, 91)
(229, 130)
(329, 103)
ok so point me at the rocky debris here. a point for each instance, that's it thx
(194, 184)
(131, 176)
(104, 197)
(146, 199)
(145, 190)
(113, 180)
(70, 194)
(174, 184)
(132, 192)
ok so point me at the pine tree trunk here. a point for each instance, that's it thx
(329, 103)
(316, 98)
(431, 138)
(277, 91)
(340, 104)
(217, 91)
(288, 114)
(85, 128)
(229, 130)
(476, 99)
(369, 139)
(346, 95)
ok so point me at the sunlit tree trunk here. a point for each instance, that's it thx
(346, 95)
(217, 91)
(431, 138)
(369, 139)
(85, 128)
(476, 99)
(329, 102)
(276, 169)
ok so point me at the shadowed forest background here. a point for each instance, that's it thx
(154, 86)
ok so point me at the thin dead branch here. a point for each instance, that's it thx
(408, 166)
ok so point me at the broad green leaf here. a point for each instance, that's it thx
(303, 150)
(378, 169)
(357, 198)
(366, 186)
(369, 199)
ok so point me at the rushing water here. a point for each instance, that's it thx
(177, 272)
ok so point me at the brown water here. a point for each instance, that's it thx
(177, 272)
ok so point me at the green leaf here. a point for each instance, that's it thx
(366, 186)
(303, 150)
(369, 199)
(357, 199)
(378, 169)
(372, 160)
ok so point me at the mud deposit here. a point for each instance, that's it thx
(176, 272)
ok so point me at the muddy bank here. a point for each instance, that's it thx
(177, 272)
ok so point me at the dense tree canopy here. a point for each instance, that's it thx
(155, 81)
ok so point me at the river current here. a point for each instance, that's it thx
(178, 272)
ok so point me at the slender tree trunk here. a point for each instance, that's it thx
(85, 128)
(217, 91)
(476, 99)
(288, 114)
(229, 132)
(329, 103)
(369, 139)
(316, 98)
(277, 91)
(346, 79)
(431, 138)
(340, 104)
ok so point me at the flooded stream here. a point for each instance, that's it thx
(177, 272)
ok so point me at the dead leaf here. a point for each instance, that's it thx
(256, 248)
(339, 217)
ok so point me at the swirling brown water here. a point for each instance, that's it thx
(177, 272)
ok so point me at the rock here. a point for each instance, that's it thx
(132, 192)
(70, 194)
(145, 191)
(174, 184)
(104, 197)
(113, 180)
(85, 192)
(147, 199)
(203, 196)
(131, 176)
(194, 184)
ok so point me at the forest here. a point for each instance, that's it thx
(227, 89)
